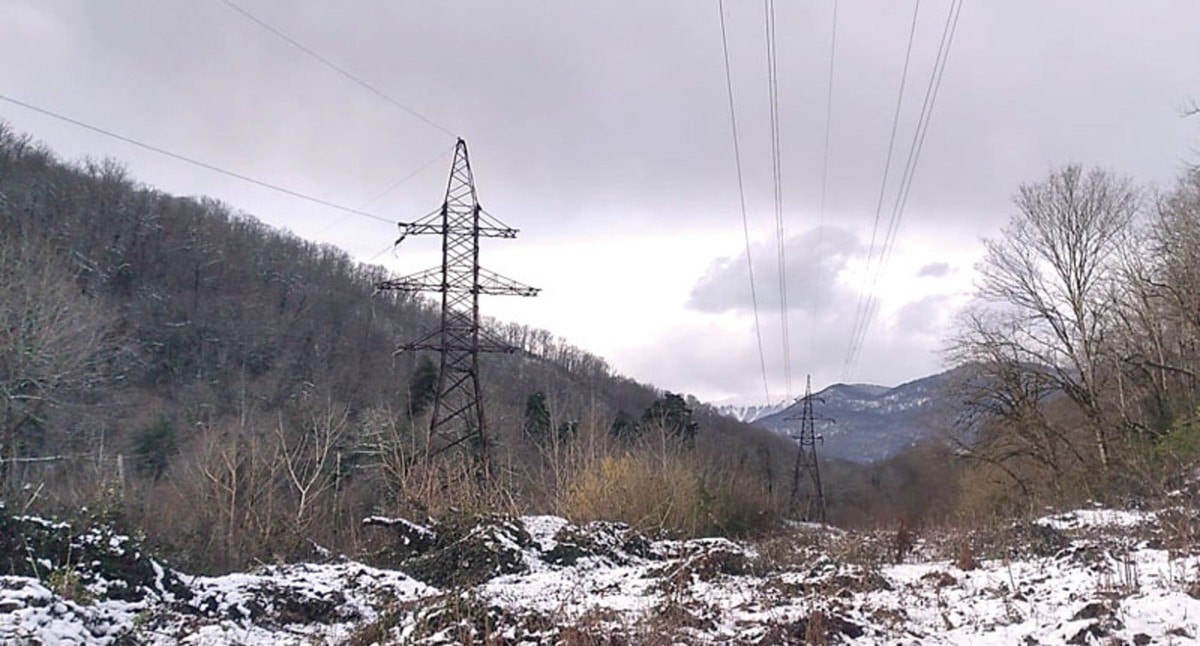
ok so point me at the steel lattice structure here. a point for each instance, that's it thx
(806, 458)
(457, 416)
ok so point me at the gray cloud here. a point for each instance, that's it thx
(934, 270)
(897, 347)
(895, 350)
(620, 106)
(610, 119)
(814, 259)
(925, 316)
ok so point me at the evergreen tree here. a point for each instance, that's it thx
(153, 448)
(672, 413)
(624, 427)
(537, 418)
(567, 430)
(422, 388)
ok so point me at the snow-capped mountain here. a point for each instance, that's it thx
(752, 412)
(872, 423)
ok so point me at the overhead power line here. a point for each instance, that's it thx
(861, 309)
(777, 176)
(914, 155)
(918, 142)
(391, 187)
(195, 162)
(910, 166)
(400, 182)
(335, 67)
(816, 288)
(737, 158)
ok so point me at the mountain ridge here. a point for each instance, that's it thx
(867, 423)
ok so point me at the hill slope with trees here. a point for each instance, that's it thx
(233, 389)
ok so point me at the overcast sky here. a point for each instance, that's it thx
(601, 130)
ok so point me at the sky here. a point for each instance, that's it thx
(602, 131)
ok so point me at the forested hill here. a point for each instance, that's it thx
(164, 339)
(215, 312)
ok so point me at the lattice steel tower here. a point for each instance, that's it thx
(806, 458)
(457, 416)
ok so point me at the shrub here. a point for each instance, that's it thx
(674, 493)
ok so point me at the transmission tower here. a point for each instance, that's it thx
(457, 416)
(806, 458)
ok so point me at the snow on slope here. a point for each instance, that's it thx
(1089, 576)
(291, 604)
(865, 423)
(750, 413)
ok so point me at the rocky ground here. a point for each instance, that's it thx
(1091, 576)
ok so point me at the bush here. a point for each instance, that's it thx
(668, 493)
(1181, 444)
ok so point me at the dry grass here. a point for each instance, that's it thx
(627, 488)
(816, 629)
(964, 558)
(673, 493)
(903, 542)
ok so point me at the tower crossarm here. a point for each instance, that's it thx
(434, 223)
(492, 283)
(429, 280)
(435, 341)
(436, 228)
(432, 280)
(494, 227)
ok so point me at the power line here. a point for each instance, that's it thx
(334, 66)
(376, 255)
(192, 161)
(931, 94)
(917, 145)
(777, 176)
(861, 309)
(400, 182)
(391, 187)
(812, 337)
(737, 157)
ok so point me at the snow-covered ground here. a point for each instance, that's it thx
(1083, 577)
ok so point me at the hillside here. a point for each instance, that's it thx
(159, 350)
(865, 423)
(213, 304)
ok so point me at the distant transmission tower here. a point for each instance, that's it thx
(806, 458)
(457, 416)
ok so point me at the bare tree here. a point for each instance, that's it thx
(1176, 240)
(234, 479)
(311, 458)
(1007, 400)
(1047, 285)
(52, 339)
(1161, 308)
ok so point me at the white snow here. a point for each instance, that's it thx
(1095, 518)
(1108, 583)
